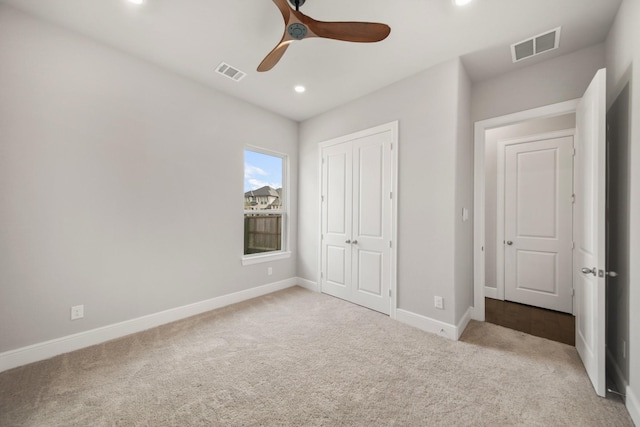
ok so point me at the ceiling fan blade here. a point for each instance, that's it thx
(299, 26)
(362, 32)
(274, 56)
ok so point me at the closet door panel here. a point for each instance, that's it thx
(337, 215)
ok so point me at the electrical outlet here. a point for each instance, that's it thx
(269, 271)
(438, 302)
(77, 312)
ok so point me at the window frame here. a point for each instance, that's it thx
(284, 252)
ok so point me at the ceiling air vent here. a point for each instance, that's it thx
(230, 72)
(536, 45)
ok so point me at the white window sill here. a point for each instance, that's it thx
(257, 259)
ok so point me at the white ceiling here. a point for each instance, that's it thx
(191, 37)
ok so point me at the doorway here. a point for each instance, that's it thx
(528, 225)
(528, 221)
(487, 134)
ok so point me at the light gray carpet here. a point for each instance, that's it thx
(297, 358)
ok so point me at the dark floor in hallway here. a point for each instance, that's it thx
(531, 320)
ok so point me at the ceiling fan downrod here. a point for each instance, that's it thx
(297, 4)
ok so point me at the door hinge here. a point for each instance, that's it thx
(389, 293)
(573, 245)
(323, 160)
(391, 145)
(573, 292)
(573, 198)
(322, 198)
(391, 195)
(390, 244)
(321, 274)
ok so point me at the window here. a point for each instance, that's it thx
(264, 203)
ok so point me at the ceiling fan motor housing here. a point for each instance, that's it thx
(297, 31)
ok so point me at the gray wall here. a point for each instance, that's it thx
(623, 68)
(120, 185)
(434, 152)
(463, 186)
(549, 82)
(492, 137)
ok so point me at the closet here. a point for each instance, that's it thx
(356, 254)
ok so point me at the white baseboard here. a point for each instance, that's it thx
(45, 350)
(429, 325)
(633, 406)
(462, 324)
(490, 292)
(308, 284)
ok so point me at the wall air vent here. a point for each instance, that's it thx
(230, 72)
(536, 45)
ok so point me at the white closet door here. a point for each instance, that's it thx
(371, 221)
(336, 220)
(357, 177)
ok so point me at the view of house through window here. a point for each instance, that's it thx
(264, 210)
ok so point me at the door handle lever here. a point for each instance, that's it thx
(586, 270)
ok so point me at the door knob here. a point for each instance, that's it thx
(509, 242)
(612, 274)
(347, 241)
(586, 270)
(355, 242)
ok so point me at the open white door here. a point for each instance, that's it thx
(589, 232)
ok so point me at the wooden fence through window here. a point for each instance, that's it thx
(262, 233)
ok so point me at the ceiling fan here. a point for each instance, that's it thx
(299, 26)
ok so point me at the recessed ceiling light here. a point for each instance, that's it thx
(461, 2)
(300, 89)
(136, 1)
